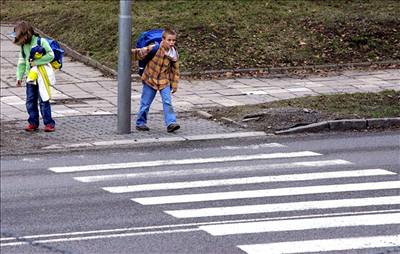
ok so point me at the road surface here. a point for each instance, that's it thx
(313, 194)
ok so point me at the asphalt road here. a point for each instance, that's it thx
(334, 193)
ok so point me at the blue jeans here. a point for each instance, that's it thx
(147, 98)
(32, 98)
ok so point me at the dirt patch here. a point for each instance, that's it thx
(285, 114)
(273, 119)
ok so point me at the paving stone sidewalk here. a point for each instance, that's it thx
(84, 95)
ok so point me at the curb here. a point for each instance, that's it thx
(124, 142)
(333, 125)
(107, 71)
(282, 71)
(345, 124)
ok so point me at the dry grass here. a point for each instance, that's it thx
(229, 34)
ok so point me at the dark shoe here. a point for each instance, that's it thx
(142, 128)
(31, 127)
(49, 128)
(173, 127)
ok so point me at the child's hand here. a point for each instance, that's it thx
(174, 89)
(19, 83)
(32, 63)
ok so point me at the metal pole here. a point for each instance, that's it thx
(124, 67)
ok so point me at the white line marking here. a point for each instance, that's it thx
(253, 147)
(247, 180)
(178, 226)
(138, 141)
(268, 193)
(226, 135)
(282, 207)
(7, 238)
(160, 140)
(141, 164)
(302, 224)
(324, 245)
(95, 237)
(101, 178)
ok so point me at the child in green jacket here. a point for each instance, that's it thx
(26, 37)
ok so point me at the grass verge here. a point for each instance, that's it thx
(228, 34)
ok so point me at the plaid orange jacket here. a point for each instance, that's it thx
(160, 71)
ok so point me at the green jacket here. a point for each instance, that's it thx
(23, 64)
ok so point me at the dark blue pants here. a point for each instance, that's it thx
(32, 99)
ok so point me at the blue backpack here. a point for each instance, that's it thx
(56, 63)
(146, 38)
(58, 53)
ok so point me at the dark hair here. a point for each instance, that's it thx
(168, 31)
(24, 32)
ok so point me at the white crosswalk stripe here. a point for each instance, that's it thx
(214, 171)
(279, 192)
(334, 195)
(280, 207)
(157, 163)
(302, 224)
(337, 244)
(247, 180)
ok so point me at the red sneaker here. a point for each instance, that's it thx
(49, 128)
(31, 127)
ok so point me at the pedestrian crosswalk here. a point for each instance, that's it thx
(319, 194)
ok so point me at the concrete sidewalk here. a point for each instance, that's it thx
(82, 92)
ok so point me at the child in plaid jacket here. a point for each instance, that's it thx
(160, 74)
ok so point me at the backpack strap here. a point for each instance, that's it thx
(153, 52)
(39, 42)
(22, 47)
(147, 59)
(22, 51)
